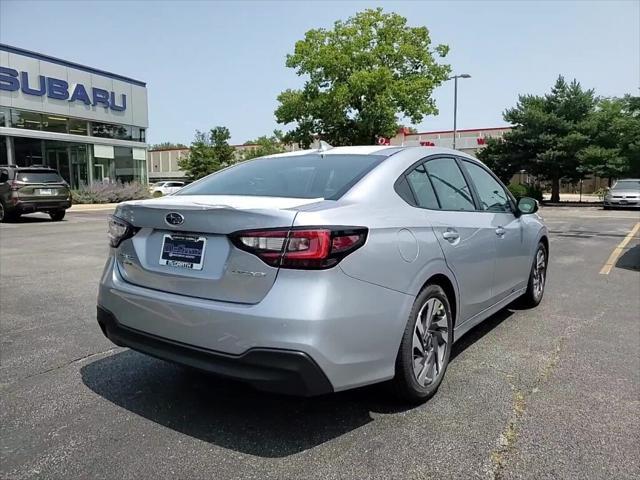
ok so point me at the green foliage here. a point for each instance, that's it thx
(502, 159)
(99, 192)
(566, 135)
(208, 153)
(614, 129)
(167, 146)
(266, 145)
(362, 75)
(518, 190)
(534, 191)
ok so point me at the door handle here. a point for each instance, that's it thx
(500, 231)
(451, 235)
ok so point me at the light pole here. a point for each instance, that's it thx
(455, 103)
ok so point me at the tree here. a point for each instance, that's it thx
(548, 135)
(500, 157)
(614, 130)
(410, 129)
(266, 145)
(208, 153)
(362, 74)
(167, 146)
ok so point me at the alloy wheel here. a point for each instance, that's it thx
(539, 273)
(430, 339)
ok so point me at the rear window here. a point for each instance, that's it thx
(627, 185)
(38, 176)
(303, 176)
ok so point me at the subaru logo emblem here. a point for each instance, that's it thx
(174, 219)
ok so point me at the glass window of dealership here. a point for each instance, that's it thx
(88, 124)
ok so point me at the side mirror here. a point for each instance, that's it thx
(527, 206)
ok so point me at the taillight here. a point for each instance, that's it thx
(119, 230)
(302, 248)
(15, 186)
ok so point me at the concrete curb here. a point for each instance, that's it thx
(92, 207)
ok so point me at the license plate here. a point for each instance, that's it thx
(183, 251)
(622, 202)
(46, 191)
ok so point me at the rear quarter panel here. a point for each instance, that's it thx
(401, 252)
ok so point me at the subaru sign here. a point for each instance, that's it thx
(34, 82)
(11, 81)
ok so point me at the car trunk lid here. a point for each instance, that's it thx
(225, 273)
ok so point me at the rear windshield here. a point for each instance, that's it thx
(627, 185)
(301, 176)
(38, 176)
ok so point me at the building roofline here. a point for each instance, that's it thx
(506, 127)
(65, 63)
(167, 149)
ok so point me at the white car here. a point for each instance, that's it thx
(159, 189)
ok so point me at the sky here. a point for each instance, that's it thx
(209, 63)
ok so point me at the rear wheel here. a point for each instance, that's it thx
(426, 346)
(6, 216)
(57, 215)
(537, 279)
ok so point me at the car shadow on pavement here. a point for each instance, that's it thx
(44, 218)
(234, 416)
(630, 259)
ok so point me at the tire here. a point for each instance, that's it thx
(421, 363)
(6, 216)
(57, 215)
(157, 194)
(535, 291)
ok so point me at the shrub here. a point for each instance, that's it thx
(534, 191)
(99, 192)
(518, 190)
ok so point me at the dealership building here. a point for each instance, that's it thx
(87, 123)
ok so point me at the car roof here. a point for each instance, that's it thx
(386, 150)
(31, 167)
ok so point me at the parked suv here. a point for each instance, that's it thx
(32, 189)
(159, 189)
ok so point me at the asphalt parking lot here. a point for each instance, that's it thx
(552, 392)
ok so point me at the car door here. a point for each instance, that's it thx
(512, 262)
(465, 236)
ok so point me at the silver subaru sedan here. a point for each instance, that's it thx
(323, 270)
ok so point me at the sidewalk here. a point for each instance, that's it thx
(92, 207)
(575, 197)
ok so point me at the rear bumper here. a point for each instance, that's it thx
(281, 371)
(40, 205)
(349, 328)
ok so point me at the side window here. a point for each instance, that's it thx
(493, 198)
(449, 184)
(422, 188)
(403, 189)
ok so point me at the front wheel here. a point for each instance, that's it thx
(537, 279)
(426, 346)
(57, 215)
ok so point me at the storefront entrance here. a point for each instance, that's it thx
(71, 160)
